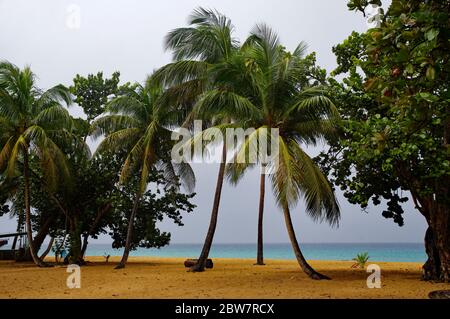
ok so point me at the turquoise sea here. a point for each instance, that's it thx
(406, 252)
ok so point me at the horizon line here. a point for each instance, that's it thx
(288, 243)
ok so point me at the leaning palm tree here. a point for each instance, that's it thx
(208, 41)
(139, 124)
(33, 124)
(278, 91)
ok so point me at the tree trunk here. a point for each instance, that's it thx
(441, 230)
(431, 269)
(13, 247)
(200, 266)
(49, 247)
(298, 253)
(127, 249)
(262, 190)
(437, 239)
(435, 208)
(42, 234)
(26, 175)
(75, 242)
(92, 228)
(39, 238)
(84, 245)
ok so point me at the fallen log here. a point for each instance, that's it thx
(192, 262)
(439, 294)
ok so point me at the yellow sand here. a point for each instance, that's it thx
(230, 278)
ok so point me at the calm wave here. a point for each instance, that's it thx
(401, 252)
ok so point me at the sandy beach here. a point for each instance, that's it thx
(147, 277)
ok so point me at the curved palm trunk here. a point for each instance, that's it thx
(39, 238)
(26, 175)
(200, 266)
(127, 249)
(42, 234)
(298, 253)
(262, 190)
(49, 247)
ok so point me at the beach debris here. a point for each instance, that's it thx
(106, 257)
(439, 294)
(192, 262)
(360, 260)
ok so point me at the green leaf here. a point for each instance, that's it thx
(428, 97)
(431, 73)
(403, 55)
(409, 69)
(431, 34)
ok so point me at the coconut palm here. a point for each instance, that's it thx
(207, 41)
(138, 123)
(277, 90)
(33, 124)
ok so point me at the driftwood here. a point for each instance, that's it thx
(192, 262)
(439, 294)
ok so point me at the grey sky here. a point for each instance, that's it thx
(127, 36)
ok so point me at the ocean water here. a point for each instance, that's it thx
(401, 252)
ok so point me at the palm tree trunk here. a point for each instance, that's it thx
(298, 253)
(200, 266)
(262, 190)
(26, 175)
(49, 247)
(127, 249)
(42, 234)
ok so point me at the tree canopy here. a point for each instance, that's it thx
(395, 101)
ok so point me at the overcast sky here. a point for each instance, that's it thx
(59, 39)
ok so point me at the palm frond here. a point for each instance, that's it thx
(112, 123)
(226, 103)
(300, 50)
(320, 200)
(57, 94)
(121, 139)
(19, 146)
(208, 39)
(285, 176)
(5, 153)
(179, 72)
(54, 116)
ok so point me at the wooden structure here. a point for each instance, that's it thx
(17, 250)
(191, 262)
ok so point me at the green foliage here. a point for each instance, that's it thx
(162, 201)
(33, 122)
(360, 260)
(266, 87)
(4, 194)
(256, 85)
(139, 125)
(93, 92)
(395, 101)
(93, 202)
(361, 5)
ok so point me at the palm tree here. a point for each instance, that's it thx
(33, 124)
(139, 124)
(262, 191)
(279, 91)
(208, 41)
